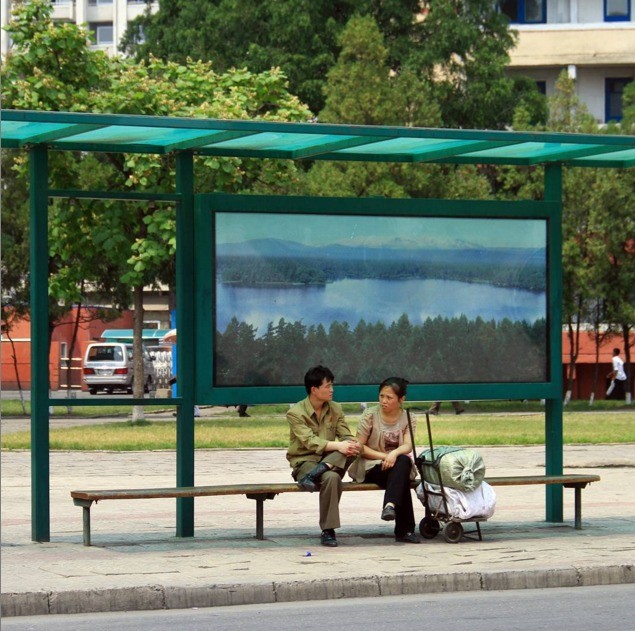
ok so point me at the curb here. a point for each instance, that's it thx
(153, 597)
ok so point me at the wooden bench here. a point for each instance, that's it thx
(262, 492)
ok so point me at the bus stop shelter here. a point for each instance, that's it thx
(40, 133)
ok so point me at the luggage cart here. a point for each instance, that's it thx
(439, 519)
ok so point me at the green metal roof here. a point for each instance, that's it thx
(67, 131)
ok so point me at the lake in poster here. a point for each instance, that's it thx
(432, 299)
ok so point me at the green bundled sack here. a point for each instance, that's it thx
(460, 468)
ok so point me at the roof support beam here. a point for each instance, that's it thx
(40, 472)
(186, 348)
(553, 405)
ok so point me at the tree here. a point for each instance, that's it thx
(298, 36)
(598, 230)
(131, 245)
(362, 89)
(461, 46)
(613, 250)
(49, 67)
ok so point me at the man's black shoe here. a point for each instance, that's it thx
(409, 537)
(311, 481)
(328, 538)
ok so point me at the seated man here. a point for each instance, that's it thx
(321, 447)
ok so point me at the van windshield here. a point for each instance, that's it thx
(105, 353)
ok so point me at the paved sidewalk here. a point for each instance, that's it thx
(136, 562)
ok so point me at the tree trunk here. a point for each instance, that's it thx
(598, 337)
(137, 348)
(15, 368)
(573, 333)
(626, 334)
(69, 359)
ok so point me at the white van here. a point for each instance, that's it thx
(108, 366)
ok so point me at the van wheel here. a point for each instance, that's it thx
(130, 388)
(92, 390)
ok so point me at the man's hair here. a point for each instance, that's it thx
(315, 377)
(399, 386)
(616, 351)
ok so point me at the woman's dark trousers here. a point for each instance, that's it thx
(396, 481)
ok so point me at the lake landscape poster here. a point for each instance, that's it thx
(432, 299)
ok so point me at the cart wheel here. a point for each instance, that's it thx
(429, 527)
(452, 532)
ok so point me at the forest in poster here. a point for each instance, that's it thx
(433, 299)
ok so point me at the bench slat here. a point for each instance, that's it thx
(577, 478)
(255, 489)
(263, 492)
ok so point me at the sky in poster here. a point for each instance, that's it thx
(319, 230)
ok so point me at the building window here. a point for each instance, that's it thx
(617, 10)
(94, 3)
(525, 11)
(542, 87)
(614, 89)
(103, 33)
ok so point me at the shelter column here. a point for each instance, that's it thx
(185, 346)
(553, 409)
(40, 468)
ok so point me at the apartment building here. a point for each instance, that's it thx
(594, 40)
(107, 20)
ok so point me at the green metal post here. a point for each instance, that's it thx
(40, 474)
(553, 409)
(185, 347)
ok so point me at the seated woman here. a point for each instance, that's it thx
(385, 438)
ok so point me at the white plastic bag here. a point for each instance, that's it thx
(481, 502)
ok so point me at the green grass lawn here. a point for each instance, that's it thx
(267, 427)
(13, 408)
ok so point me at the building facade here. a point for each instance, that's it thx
(594, 40)
(106, 20)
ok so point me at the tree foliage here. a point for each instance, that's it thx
(114, 247)
(362, 89)
(459, 47)
(598, 228)
(365, 352)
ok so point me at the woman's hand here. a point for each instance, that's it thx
(389, 461)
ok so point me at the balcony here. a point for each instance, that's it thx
(63, 10)
(582, 45)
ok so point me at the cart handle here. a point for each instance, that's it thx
(412, 437)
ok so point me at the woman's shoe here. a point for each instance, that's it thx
(388, 514)
(409, 537)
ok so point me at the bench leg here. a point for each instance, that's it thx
(260, 511)
(85, 504)
(577, 503)
(578, 507)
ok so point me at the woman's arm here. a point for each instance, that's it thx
(389, 459)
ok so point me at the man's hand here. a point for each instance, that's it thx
(349, 447)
